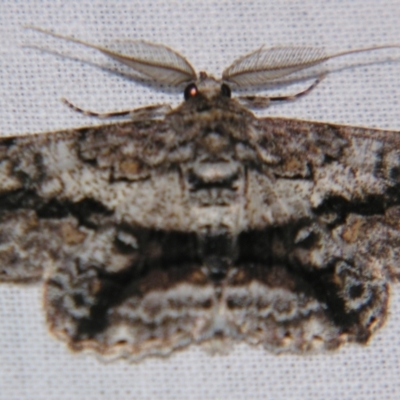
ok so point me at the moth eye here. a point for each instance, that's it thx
(225, 90)
(191, 91)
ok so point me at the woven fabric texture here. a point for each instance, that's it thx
(211, 34)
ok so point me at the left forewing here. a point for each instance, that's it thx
(60, 190)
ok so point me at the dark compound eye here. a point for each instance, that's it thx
(225, 90)
(191, 91)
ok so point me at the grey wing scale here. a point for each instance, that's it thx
(208, 225)
(84, 178)
(71, 213)
(331, 203)
(204, 227)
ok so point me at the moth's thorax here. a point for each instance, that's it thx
(208, 85)
(214, 178)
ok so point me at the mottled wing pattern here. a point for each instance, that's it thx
(209, 226)
(326, 217)
(80, 209)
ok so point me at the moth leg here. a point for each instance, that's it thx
(299, 94)
(265, 101)
(148, 112)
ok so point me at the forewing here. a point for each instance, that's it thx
(343, 182)
(50, 188)
(86, 210)
(328, 207)
(301, 253)
(348, 162)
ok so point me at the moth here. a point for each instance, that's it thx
(205, 224)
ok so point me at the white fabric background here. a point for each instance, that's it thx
(33, 365)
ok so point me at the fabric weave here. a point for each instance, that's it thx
(211, 34)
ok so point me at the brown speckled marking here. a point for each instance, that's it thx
(208, 225)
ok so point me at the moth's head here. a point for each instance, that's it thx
(207, 87)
